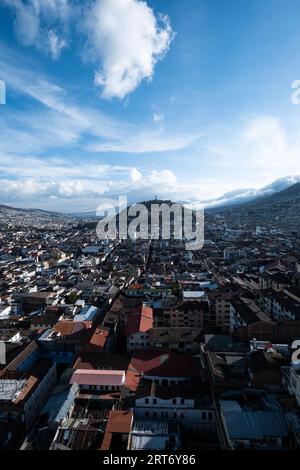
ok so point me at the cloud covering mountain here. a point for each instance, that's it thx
(239, 196)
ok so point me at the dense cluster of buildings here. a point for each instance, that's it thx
(143, 345)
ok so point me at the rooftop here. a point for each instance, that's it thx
(98, 377)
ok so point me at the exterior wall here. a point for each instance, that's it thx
(183, 412)
(277, 311)
(235, 320)
(28, 361)
(60, 357)
(171, 403)
(294, 384)
(222, 311)
(38, 398)
(138, 341)
(106, 388)
(248, 444)
(180, 318)
(178, 346)
(262, 331)
(168, 381)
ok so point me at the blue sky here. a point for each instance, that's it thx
(184, 100)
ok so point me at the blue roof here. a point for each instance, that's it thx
(87, 313)
(243, 424)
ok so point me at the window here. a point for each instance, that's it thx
(147, 401)
(174, 401)
(154, 401)
(182, 401)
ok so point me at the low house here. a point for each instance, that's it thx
(248, 428)
(22, 396)
(185, 403)
(137, 328)
(176, 339)
(98, 380)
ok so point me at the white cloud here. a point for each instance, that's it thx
(164, 177)
(32, 20)
(158, 117)
(145, 142)
(259, 149)
(48, 182)
(128, 40)
(26, 24)
(267, 143)
(55, 8)
(124, 37)
(136, 175)
(56, 44)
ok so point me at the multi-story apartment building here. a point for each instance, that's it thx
(219, 314)
(186, 314)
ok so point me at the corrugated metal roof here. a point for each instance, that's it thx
(259, 424)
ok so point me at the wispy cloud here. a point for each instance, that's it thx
(60, 121)
(145, 142)
(41, 23)
(158, 117)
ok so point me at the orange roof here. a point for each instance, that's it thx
(132, 379)
(118, 422)
(30, 384)
(99, 337)
(140, 320)
(69, 327)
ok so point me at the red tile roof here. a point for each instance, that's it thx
(167, 364)
(118, 422)
(99, 337)
(140, 319)
(69, 327)
(132, 379)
